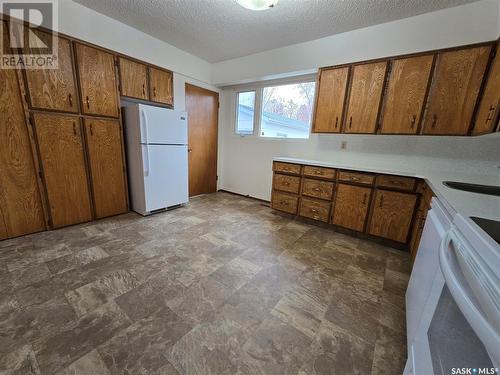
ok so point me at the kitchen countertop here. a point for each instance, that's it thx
(464, 203)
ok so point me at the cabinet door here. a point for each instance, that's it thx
(487, 114)
(330, 100)
(61, 151)
(53, 89)
(104, 142)
(133, 79)
(457, 80)
(351, 206)
(406, 91)
(364, 98)
(20, 201)
(392, 215)
(161, 86)
(96, 70)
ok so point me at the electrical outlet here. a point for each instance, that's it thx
(343, 145)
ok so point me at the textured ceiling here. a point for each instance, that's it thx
(217, 30)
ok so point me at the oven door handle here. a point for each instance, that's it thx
(464, 271)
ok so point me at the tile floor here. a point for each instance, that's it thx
(222, 286)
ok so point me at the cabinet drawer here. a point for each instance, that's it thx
(316, 210)
(286, 167)
(285, 202)
(319, 172)
(317, 188)
(286, 183)
(356, 177)
(396, 182)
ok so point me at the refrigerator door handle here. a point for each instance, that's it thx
(147, 162)
(144, 126)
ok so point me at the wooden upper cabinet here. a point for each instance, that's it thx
(104, 145)
(21, 209)
(365, 97)
(457, 79)
(351, 206)
(406, 91)
(134, 79)
(330, 100)
(96, 69)
(392, 215)
(488, 111)
(161, 86)
(53, 89)
(63, 161)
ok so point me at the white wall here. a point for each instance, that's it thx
(456, 26)
(246, 161)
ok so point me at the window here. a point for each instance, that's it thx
(286, 110)
(245, 113)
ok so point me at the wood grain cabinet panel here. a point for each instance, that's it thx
(286, 183)
(21, 209)
(319, 172)
(356, 177)
(63, 161)
(317, 188)
(351, 206)
(488, 111)
(457, 79)
(392, 215)
(365, 97)
(161, 86)
(316, 210)
(53, 89)
(286, 168)
(284, 202)
(396, 182)
(330, 100)
(405, 96)
(96, 70)
(134, 79)
(104, 145)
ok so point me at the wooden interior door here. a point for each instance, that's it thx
(53, 89)
(107, 169)
(457, 79)
(20, 200)
(161, 85)
(365, 97)
(134, 79)
(96, 71)
(351, 206)
(407, 88)
(330, 100)
(63, 161)
(203, 111)
(392, 215)
(488, 111)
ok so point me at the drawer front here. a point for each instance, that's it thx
(327, 173)
(317, 188)
(286, 167)
(396, 182)
(314, 209)
(357, 178)
(286, 183)
(285, 202)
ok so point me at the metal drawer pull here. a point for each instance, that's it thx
(88, 102)
(313, 210)
(365, 196)
(490, 114)
(70, 99)
(286, 183)
(316, 189)
(413, 120)
(74, 128)
(336, 121)
(318, 171)
(284, 203)
(352, 178)
(381, 201)
(434, 120)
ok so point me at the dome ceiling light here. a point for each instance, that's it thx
(257, 4)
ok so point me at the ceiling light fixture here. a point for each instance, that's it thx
(257, 4)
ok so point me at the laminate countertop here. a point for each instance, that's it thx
(464, 203)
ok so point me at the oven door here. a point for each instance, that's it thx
(460, 325)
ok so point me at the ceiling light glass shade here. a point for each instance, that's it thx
(257, 4)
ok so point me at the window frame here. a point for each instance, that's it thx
(258, 88)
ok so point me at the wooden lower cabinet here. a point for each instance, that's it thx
(351, 206)
(107, 168)
(314, 209)
(61, 151)
(392, 215)
(285, 202)
(317, 188)
(290, 184)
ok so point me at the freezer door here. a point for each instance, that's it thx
(162, 126)
(165, 176)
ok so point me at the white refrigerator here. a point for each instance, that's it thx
(157, 157)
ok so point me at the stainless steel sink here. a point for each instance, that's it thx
(474, 188)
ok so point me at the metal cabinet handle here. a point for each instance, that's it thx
(316, 189)
(434, 120)
(286, 183)
(74, 128)
(91, 130)
(154, 92)
(353, 178)
(190, 150)
(413, 120)
(336, 121)
(365, 196)
(143, 90)
(70, 99)
(318, 171)
(88, 102)
(381, 201)
(350, 122)
(490, 113)
(315, 211)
